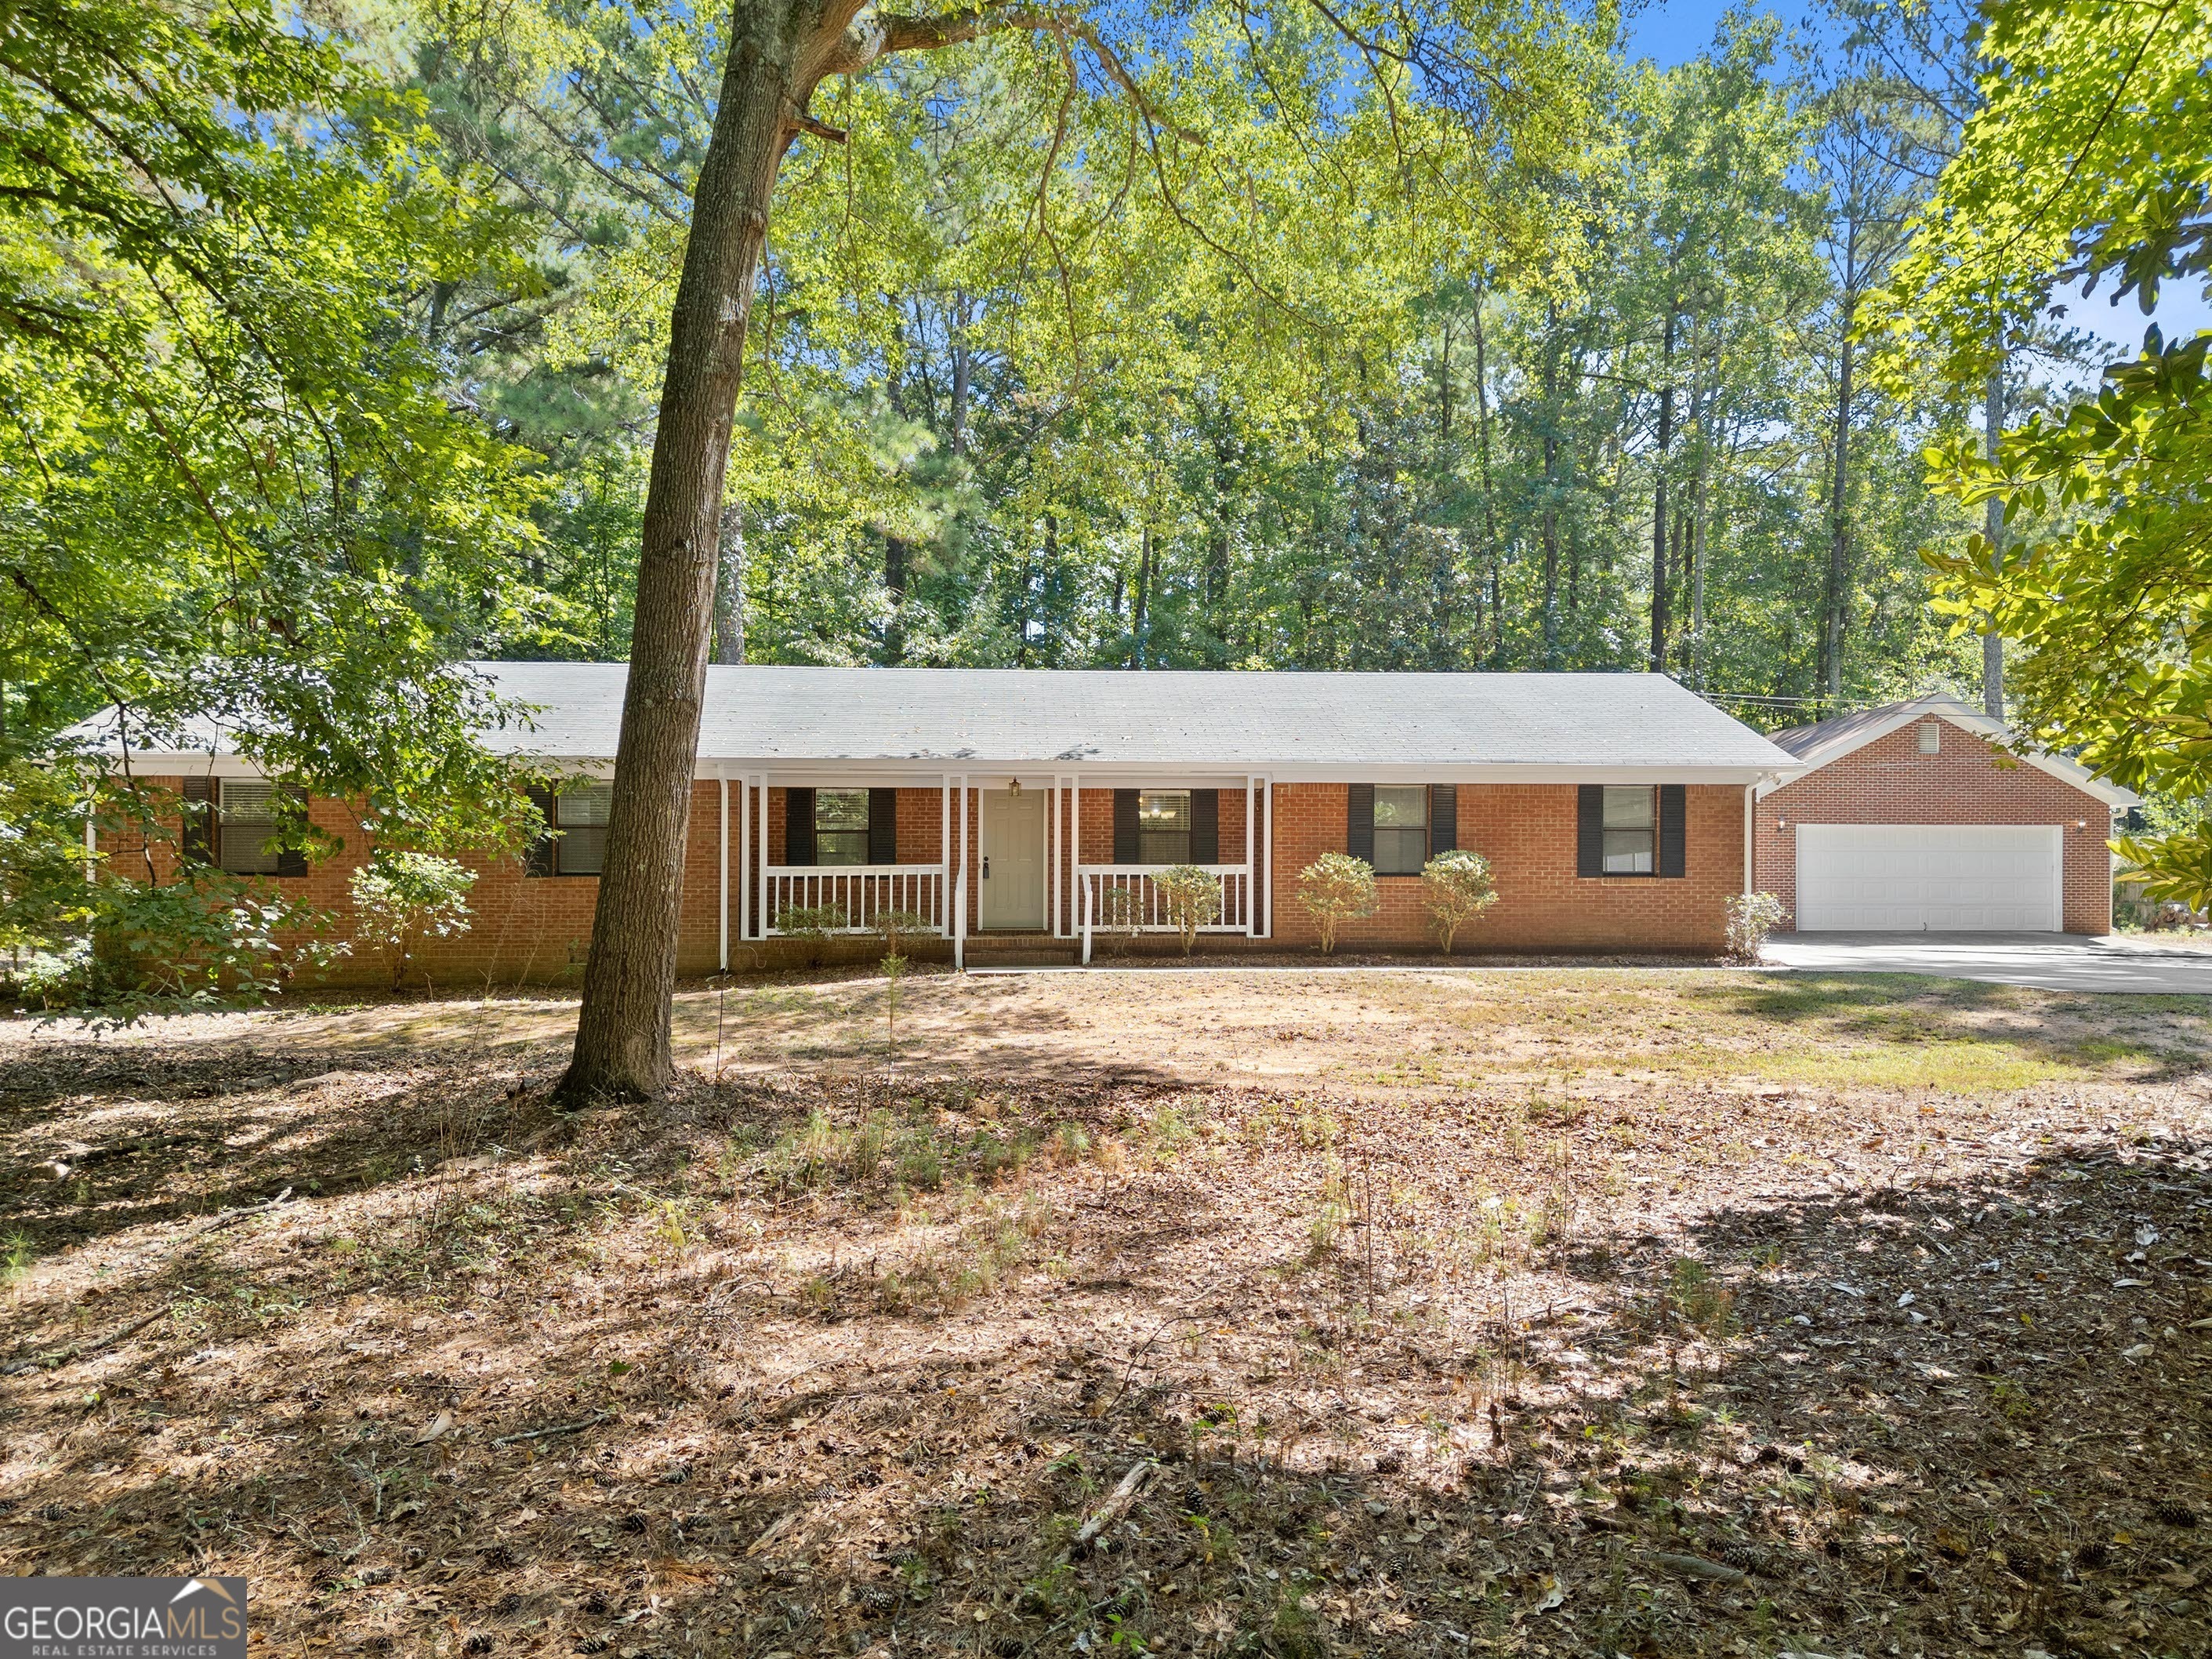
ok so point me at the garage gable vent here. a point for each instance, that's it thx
(1931, 736)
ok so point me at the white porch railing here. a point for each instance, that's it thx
(857, 893)
(1124, 898)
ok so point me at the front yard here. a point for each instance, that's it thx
(1663, 1313)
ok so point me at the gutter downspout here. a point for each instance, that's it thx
(723, 847)
(1750, 846)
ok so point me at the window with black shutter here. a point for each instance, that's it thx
(542, 859)
(1673, 828)
(1125, 826)
(1359, 821)
(196, 836)
(841, 826)
(575, 839)
(1401, 829)
(798, 827)
(1589, 830)
(1164, 821)
(1444, 818)
(883, 826)
(1205, 826)
(246, 825)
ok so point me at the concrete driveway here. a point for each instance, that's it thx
(2053, 961)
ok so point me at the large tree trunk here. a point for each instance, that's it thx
(1835, 599)
(1489, 496)
(1551, 485)
(622, 1034)
(1993, 692)
(1660, 621)
(730, 591)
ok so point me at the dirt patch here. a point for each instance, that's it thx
(1431, 1313)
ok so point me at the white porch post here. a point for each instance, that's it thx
(745, 857)
(762, 921)
(1750, 807)
(1052, 855)
(1267, 797)
(960, 889)
(1251, 911)
(944, 854)
(723, 944)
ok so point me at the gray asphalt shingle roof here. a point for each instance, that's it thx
(972, 717)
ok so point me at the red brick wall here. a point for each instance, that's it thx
(533, 928)
(1889, 780)
(1527, 831)
(537, 928)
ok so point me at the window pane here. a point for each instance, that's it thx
(580, 814)
(247, 824)
(840, 846)
(841, 809)
(1162, 846)
(1407, 808)
(1630, 809)
(1399, 852)
(1628, 852)
(1164, 826)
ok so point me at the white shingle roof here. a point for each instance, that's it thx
(1315, 723)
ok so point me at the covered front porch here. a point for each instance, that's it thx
(1047, 855)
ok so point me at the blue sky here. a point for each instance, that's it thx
(1674, 31)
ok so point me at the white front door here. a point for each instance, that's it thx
(1937, 877)
(1011, 844)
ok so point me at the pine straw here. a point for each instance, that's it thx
(841, 1363)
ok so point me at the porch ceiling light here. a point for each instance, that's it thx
(1014, 788)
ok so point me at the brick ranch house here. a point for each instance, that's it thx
(1028, 811)
(1910, 817)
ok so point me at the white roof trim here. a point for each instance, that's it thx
(1942, 705)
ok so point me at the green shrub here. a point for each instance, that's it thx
(403, 898)
(1456, 887)
(1192, 897)
(1334, 889)
(1751, 918)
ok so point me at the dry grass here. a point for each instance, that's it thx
(1457, 1312)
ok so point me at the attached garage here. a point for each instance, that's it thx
(1916, 817)
(1892, 878)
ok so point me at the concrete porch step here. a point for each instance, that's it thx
(1022, 951)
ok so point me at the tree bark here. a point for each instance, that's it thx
(1551, 485)
(1993, 691)
(896, 550)
(730, 591)
(1141, 601)
(1834, 601)
(622, 1048)
(1666, 438)
(1489, 495)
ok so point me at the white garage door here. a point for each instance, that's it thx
(1947, 877)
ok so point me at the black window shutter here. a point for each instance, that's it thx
(1359, 821)
(543, 857)
(1125, 826)
(1671, 832)
(883, 826)
(799, 826)
(1205, 826)
(1589, 830)
(196, 845)
(1443, 817)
